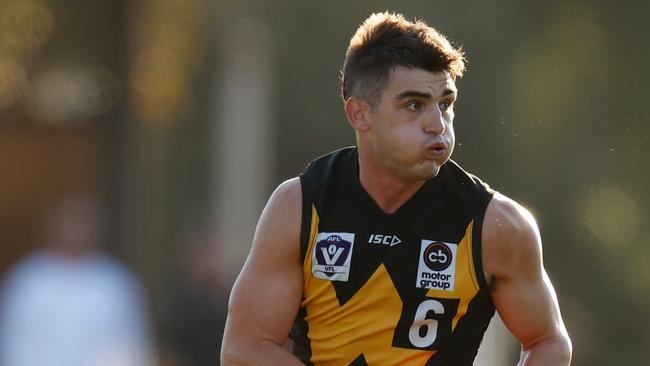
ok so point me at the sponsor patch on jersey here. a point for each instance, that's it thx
(332, 256)
(437, 265)
(390, 240)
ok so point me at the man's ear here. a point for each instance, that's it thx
(358, 112)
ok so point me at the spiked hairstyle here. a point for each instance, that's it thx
(385, 41)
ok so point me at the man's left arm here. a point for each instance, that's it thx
(520, 288)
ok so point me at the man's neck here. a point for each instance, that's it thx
(387, 190)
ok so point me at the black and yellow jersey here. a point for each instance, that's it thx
(405, 288)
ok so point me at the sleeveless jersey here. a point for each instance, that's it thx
(405, 288)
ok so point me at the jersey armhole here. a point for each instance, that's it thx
(477, 243)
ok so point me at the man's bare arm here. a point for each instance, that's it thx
(266, 296)
(521, 290)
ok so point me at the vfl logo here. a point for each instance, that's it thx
(384, 239)
(437, 265)
(332, 255)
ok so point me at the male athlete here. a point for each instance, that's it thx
(388, 253)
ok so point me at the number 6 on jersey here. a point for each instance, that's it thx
(426, 324)
(430, 326)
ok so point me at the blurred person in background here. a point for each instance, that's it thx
(389, 253)
(71, 304)
(196, 304)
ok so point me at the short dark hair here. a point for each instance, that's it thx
(387, 40)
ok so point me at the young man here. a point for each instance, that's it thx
(389, 253)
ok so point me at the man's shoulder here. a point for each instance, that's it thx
(452, 168)
(328, 160)
(470, 193)
(36, 265)
(287, 192)
(324, 169)
(509, 216)
(510, 235)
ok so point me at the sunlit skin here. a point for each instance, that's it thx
(407, 136)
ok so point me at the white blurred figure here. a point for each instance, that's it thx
(70, 304)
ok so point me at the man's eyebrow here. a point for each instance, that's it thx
(417, 94)
(412, 94)
(449, 92)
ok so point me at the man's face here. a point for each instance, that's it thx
(411, 132)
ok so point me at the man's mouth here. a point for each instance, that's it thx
(437, 148)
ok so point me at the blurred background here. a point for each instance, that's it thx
(177, 118)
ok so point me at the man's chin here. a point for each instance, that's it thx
(434, 172)
(427, 171)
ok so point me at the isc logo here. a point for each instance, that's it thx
(384, 239)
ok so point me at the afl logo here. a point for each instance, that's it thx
(437, 256)
(332, 256)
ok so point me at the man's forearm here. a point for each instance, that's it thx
(551, 352)
(260, 353)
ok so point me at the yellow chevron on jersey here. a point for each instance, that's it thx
(405, 288)
(366, 323)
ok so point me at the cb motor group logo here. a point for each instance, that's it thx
(332, 255)
(437, 265)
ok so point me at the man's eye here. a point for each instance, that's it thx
(445, 104)
(413, 105)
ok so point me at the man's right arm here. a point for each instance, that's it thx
(266, 296)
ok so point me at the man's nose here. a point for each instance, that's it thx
(434, 122)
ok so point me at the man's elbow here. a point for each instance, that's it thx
(553, 351)
(567, 348)
(233, 354)
(563, 349)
